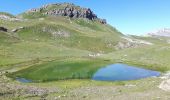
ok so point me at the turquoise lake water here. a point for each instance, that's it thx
(123, 72)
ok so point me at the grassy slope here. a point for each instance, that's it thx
(80, 40)
(152, 57)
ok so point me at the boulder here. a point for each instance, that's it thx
(103, 21)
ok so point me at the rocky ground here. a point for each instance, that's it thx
(146, 89)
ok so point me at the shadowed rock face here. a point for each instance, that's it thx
(70, 10)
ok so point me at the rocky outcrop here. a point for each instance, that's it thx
(73, 13)
(130, 42)
(3, 29)
(8, 18)
(69, 10)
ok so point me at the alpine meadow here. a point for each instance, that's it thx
(53, 53)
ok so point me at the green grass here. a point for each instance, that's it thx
(154, 57)
(6, 39)
(92, 25)
(62, 70)
(33, 15)
(26, 51)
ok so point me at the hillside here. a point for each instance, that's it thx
(54, 37)
(62, 9)
(57, 36)
(56, 43)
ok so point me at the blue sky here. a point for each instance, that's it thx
(128, 16)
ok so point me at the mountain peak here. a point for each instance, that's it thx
(165, 32)
(66, 9)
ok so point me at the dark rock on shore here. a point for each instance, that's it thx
(3, 29)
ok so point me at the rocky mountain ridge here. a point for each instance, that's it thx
(67, 9)
(165, 32)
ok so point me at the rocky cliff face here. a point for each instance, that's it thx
(67, 9)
